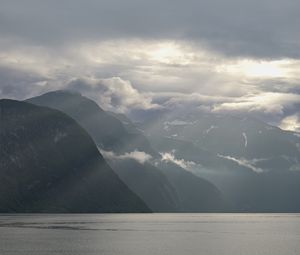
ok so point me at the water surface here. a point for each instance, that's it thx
(148, 234)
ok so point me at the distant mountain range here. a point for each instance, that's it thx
(255, 165)
(183, 161)
(157, 188)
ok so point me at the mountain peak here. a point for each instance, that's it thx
(66, 98)
(64, 92)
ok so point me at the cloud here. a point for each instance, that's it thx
(170, 157)
(138, 156)
(18, 84)
(250, 164)
(266, 28)
(291, 123)
(112, 93)
(264, 102)
(140, 57)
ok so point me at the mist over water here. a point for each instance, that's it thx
(135, 234)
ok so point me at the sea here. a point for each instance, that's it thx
(150, 234)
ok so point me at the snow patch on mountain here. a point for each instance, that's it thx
(167, 124)
(210, 129)
(245, 139)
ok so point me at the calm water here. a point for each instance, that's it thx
(137, 234)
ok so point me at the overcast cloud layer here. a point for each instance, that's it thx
(237, 57)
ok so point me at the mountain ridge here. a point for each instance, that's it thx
(48, 163)
(129, 167)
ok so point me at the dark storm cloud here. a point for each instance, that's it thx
(144, 57)
(266, 28)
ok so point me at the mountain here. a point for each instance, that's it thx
(255, 165)
(195, 194)
(157, 187)
(263, 146)
(149, 183)
(108, 132)
(111, 135)
(48, 163)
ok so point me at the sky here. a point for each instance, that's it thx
(222, 56)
